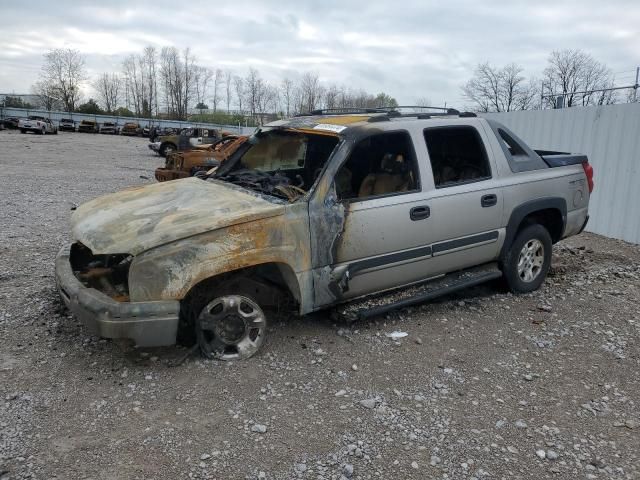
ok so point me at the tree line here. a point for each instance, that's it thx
(574, 76)
(171, 83)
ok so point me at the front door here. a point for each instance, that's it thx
(384, 242)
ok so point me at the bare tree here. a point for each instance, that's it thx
(423, 102)
(570, 72)
(494, 89)
(150, 75)
(133, 83)
(47, 94)
(228, 87)
(238, 85)
(203, 77)
(286, 89)
(178, 75)
(253, 86)
(63, 72)
(109, 89)
(312, 91)
(140, 77)
(217, 83)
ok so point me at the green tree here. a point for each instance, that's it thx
(201, 106)
(91, 107)
(16, 102)
(123, 112)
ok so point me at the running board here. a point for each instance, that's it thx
(423, 292)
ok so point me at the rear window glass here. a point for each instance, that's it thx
(457, 155)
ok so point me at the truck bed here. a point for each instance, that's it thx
(561, 159)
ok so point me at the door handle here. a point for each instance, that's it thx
(419, 213)
(489, 200)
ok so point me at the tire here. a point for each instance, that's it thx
(43, 131)
(167, 148)
(22, 130)
(229, 324)
(528, 259)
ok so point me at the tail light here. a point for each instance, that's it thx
(588, 171)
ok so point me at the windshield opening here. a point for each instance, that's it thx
(280, 162)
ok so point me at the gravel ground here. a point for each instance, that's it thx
(485, 385)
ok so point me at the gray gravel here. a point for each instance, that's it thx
(485, 384)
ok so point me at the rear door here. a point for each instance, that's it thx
(465, 198)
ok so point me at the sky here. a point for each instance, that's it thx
(410, 49)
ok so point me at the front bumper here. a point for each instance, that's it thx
(149, 324)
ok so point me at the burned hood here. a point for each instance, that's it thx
(141, 218)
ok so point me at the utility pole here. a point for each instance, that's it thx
(635, 86)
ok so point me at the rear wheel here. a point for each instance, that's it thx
(22, 130)
(228, 326)
(527, 262)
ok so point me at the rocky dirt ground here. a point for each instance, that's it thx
(486, 385)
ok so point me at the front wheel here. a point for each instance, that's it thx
(22, 130)
(167, 148)
(528, 260)
(229, 326)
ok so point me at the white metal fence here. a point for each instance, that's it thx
(610, 136)
(55, 117)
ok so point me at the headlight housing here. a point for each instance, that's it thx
(108, 273)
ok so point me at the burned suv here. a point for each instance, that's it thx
(185, 140)
(199, 159)
(88, 126)
(360, 212)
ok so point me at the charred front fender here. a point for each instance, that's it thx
(170, 271)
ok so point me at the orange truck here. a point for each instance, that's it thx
(187, 163)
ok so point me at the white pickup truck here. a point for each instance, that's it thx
(37, 124)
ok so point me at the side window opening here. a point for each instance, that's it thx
(457, 155)
(382, 164)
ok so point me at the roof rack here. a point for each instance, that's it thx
(386, 113)
(395, 113)
(342, 111)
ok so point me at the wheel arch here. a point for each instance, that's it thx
(265, 276)
(550, 212)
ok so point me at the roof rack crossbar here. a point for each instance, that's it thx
(386, 113)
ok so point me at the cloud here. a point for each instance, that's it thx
(409, 49)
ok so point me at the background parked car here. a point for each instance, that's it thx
(131, 129)
(11, 122)
(37, 124)
(109, 128)
(88, 126)
(66, 124)
(186, 140)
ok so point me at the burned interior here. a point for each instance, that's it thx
(279, 162)
(380, 164)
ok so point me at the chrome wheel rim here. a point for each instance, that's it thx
(231, 327)
(531, 260)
